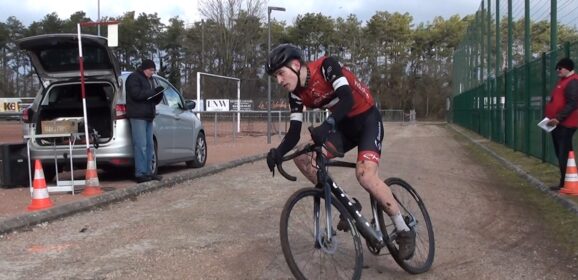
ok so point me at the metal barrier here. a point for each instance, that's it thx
(228, 126)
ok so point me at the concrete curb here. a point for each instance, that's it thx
(567, 203)
(30, 219)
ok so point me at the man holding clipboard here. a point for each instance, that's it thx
(561, 110)
(141, 99)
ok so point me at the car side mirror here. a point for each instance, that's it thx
(190, 105)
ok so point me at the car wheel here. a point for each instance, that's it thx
(155, 165)
(200, 152)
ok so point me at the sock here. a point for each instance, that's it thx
(399, 222)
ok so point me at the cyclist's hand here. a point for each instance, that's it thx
(319, 134)
(273, 158)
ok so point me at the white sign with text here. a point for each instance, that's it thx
(217, 105)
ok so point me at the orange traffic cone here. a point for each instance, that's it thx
(571, 178)
(40, 198)
(92, 185)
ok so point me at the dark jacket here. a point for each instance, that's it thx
(138, 89)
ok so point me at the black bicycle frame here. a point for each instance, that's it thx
(374, 236)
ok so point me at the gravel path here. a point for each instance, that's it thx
(225, 226)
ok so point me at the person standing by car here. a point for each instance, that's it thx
(561, 109)
(141, 99)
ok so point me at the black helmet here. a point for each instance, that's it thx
(281, 55)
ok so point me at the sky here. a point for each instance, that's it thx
(422, 11)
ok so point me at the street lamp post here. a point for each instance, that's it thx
(98, 19)
(269, 9)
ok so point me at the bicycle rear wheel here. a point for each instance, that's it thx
(416, 216)
(309, 257)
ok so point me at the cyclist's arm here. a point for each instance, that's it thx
(296, 120)
(343, 94)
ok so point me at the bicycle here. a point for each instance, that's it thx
(314, 248)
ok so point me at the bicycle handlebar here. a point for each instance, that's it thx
(307, 149)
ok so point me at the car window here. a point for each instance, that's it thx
(58, 59)
(172, 97)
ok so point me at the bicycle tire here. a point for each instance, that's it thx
(305, 257)
(410, 203)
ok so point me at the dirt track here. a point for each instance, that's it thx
(225, 226)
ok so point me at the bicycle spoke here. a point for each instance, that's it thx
(416, 216)
(335, 259)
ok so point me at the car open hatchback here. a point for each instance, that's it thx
(58, 109)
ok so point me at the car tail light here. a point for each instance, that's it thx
(27, 115)
(120, 112)
(121, 161)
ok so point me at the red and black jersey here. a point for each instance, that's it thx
(328, 86)
(325, 77)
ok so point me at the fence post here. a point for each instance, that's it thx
(279, 129)
(215, 128)
(544, 90)
(234, 129)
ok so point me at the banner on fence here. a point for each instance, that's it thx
(217, 105)
(245, 105)
(9, 105)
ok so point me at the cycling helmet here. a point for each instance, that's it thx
(281, 55)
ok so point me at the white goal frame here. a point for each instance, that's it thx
(199, 74)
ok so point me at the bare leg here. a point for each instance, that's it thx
(366, 172)
(306, 164)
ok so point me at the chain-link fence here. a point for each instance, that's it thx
(504, 70)
(222, 127)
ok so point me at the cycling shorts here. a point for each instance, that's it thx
(364, 131)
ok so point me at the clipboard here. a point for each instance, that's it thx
(155, 95)
(543, 124)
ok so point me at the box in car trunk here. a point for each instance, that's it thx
(59, 126)
(61, 110)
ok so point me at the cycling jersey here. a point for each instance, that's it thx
(325, 75)
(360, 125)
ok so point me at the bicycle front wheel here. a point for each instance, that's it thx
(417, 218)
(308, 250)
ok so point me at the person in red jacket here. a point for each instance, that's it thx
(561, 110)
(354, 122)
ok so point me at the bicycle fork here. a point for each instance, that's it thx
(373, 235)
(324, 241)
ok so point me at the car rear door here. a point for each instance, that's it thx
(56, 57)
(163, 131)
(183, 136)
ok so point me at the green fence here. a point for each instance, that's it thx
(510, 117)
(504, 70)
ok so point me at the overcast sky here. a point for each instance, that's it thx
(28, 11)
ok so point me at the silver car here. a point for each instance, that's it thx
(58, 108)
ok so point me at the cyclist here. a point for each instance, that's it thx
(324, 83)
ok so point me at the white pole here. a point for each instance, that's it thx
(98, 18)
(224, 77)
(238, 106)
(268, 77)
(199, 95)
(80, 60)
